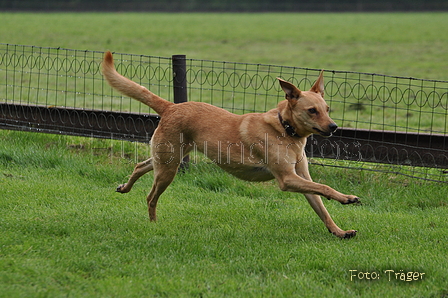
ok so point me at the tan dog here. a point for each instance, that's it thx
(253, 147)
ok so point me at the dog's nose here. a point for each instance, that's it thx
(333, 127)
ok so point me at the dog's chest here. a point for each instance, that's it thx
(249, 172)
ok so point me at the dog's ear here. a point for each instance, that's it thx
(291, 91)
(318, 87)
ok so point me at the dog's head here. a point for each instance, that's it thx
(308, 111)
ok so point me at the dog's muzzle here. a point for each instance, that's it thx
(332, 127)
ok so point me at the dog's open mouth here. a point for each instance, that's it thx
(323, 133)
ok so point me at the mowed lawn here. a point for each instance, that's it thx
(66, 233)
(402, 44)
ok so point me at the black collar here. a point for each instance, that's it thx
(290, 130)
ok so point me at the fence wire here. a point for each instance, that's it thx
(409, 108)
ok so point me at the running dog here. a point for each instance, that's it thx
(253, 147)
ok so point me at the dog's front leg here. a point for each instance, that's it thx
(318, 206)
(299, 180)
(296, 177)
(312, 191)
(295, 183)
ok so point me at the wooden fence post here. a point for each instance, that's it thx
(180, 91)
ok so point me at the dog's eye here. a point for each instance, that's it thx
(312, 111)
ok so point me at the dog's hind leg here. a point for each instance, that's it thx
(163, 176)
(140, 169)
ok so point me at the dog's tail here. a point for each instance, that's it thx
(130, 88)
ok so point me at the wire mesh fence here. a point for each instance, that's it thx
(389, 124)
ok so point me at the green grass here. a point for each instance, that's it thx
(404, 44)
(65, 232)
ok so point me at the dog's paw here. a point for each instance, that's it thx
(121, 188)
(344, 234)
(350, 234)
(351, 200)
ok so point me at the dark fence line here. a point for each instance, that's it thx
(390, 124)
(227, 5)
(346, 144)
(79, 122)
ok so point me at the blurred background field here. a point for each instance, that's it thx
(402, 44)
(396, 44)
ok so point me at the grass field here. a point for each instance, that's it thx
(404, 44)
(66, 233)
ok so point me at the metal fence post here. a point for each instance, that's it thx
(180, 92)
